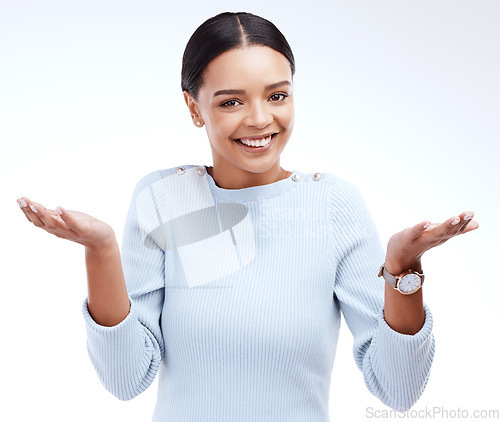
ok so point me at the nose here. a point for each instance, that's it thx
(258, 116)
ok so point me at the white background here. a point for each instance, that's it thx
(401, 98)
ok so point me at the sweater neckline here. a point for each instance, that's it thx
(253, 193)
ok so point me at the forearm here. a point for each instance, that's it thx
(108, 301)
(403, 313)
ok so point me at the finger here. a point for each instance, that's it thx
(46, 218)
(23, 204)
(449, 227)
(473, 225)
(419, 228)
(54, 214)
(462, 223)
(431, 227)
(39, 211)
(68, 218)
(454, 226)
(466, 219)
(32, 213)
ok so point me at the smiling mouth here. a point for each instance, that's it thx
(257, 142)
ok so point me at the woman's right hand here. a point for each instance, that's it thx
(71, 225)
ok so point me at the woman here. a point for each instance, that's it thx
(231, 278)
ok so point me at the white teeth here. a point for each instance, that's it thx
(256, 142)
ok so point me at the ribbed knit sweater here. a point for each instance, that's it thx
(236, 298)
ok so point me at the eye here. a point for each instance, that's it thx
(226, 103)
(279, 95)
(232, 103)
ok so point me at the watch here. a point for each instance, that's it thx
(407, 283)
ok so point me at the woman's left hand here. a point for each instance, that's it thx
(405, 248)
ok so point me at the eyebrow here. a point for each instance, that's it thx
(242, 91)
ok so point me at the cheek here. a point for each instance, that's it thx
(227, 127)
(223, 130)
(287, 117)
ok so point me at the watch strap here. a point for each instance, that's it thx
(392, 280)
(389, 278)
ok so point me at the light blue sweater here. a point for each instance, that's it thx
(236, 298)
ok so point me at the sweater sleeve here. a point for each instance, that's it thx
(127, 356)
(395, 366)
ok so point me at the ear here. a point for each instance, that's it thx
(192, 106)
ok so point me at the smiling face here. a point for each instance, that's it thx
(246, 93)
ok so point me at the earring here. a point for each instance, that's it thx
(198, 123)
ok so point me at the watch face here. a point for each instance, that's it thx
(409, 283)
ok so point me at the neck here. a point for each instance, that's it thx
(237, 178)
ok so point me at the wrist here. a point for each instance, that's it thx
(103, 248)
(397, 267)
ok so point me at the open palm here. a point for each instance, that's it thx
(405, 248)
(71, 225)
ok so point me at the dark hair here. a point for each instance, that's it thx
(224, 32)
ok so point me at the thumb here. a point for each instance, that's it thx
(66, 216)
(419, 228)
